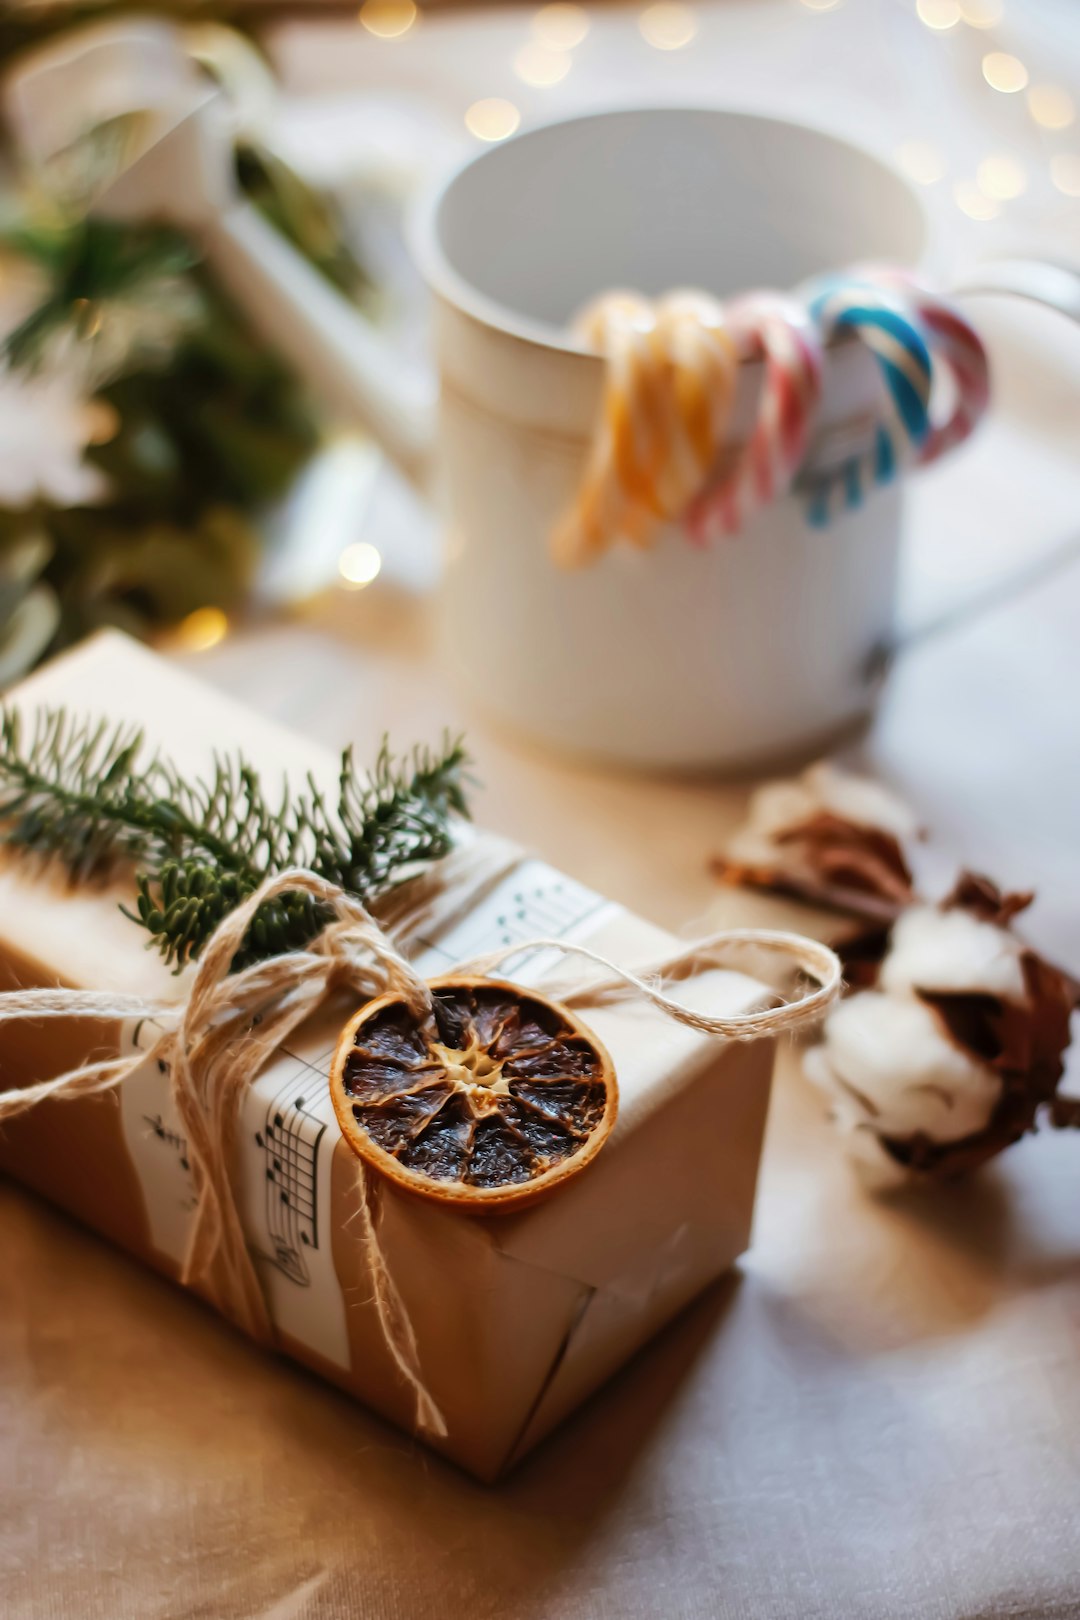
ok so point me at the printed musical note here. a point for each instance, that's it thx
(535, 902)
(290, 1139)
(171, 1138)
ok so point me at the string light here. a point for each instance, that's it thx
(561, 27)
(973, 202)
(387, 19)
(1004, 72)
(537, 65)
(102, 421)
(358, 565)
(1001, 177)
(492, 119)
(1051, 106)
(981, 13)
(1065, 172)
(938, 14)
(667, 26)
(921, 162)
(202, 629)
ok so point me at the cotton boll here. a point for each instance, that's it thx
(771, 811)
(952, 951)
(877, 1169)
(821, 790)
(862, 800)
(889, 1065)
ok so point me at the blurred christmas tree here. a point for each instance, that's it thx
(143, 428)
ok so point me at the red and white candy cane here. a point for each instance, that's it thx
(777, 331)
(955, 344)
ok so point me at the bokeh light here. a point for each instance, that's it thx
(981, 13)
(667, 26)
(492, 119)
(102, 421)
(938, 14)
(973, 202)
(359, 564)
(561, 27)
(387, 19)
(1065, 172)
(1004, 72)
(1001, 177)
(538, 65)
(202, 629)
(1051, 106)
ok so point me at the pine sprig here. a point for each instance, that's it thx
(91, 264)
(91, 797)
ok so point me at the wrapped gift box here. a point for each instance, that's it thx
(516, 1318)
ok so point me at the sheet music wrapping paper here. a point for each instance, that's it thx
(516, 1318)
(289, 1128)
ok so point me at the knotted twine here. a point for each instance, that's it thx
(215, 1043)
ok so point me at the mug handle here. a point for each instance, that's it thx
(1056, 287)
(1038, 280)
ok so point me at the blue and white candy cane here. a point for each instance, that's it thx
(884, 321)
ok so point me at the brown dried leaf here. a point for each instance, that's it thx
(981, 896)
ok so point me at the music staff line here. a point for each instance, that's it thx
(290, 1139)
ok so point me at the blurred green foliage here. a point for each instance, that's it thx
(203, 442)
(208, 427)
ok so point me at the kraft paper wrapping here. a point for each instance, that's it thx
(518, 1318)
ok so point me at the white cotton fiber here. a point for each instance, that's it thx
(889, 1064)
(952, 950)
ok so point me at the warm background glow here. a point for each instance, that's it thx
(561, 27)
(1004, 72)
(668, 26)
(388, 19)
(492, 119)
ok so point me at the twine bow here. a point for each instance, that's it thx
(214, 1044)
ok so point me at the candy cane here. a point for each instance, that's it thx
(669, 387)
(670, 378)
(954, 343)
(882, 319)
(917, 337)
(777, 331)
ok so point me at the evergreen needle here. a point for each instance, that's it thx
(91, 796)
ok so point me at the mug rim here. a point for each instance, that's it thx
(444, 280)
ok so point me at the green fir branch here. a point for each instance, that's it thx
(92, 263)
(88, 795)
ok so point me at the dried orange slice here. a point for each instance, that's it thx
(495, 1097)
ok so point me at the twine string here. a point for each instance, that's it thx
(214, 1043)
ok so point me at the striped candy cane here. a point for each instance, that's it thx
(957, 348)
(776, 331)
(881, 318)
(918, 339)
(669, 387)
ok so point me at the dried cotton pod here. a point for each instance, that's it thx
(828, 837)
(953, 1049)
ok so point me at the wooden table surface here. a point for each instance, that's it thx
(878, 1416)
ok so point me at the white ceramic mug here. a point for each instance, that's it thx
(753, 649)
(729, 657)
(675, 656)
